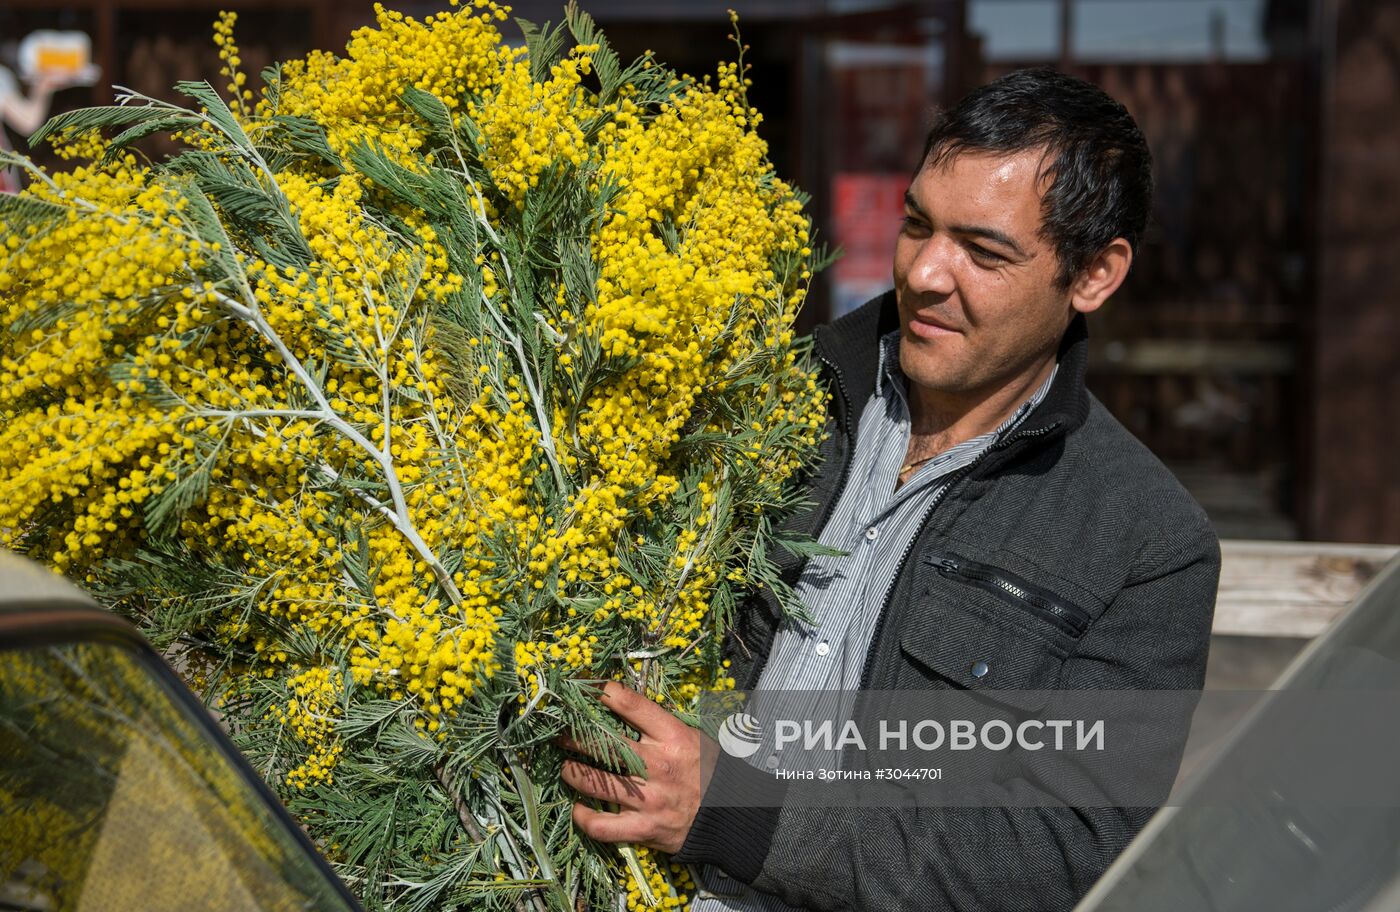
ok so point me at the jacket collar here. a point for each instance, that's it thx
(850, 346)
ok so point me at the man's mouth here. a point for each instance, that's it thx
(927, 326)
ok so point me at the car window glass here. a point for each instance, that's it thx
(1242, 839)
(112, 796)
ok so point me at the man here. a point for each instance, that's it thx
(965, 455)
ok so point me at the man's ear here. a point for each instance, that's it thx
(1101, 278)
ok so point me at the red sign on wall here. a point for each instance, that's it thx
(866, 211)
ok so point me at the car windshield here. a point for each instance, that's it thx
(114, 795)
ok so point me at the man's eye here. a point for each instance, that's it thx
(982, 253)
(912, 225)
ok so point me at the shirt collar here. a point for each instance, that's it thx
(889, 362)
(889, 369)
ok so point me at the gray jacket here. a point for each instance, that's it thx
(1070, 503)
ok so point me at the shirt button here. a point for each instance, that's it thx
(772, 763)
(872, 533)
(980, 669)
(823, 648)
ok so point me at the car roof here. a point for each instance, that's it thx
(24, 583)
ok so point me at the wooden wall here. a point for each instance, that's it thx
(1353, 482)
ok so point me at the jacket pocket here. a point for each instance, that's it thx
(1013, 589)
(988, 630)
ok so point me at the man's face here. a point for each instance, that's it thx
(975, 282)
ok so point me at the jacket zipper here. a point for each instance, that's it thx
(850, 444)
(898, 569)
(923, 521)
(1044, 604)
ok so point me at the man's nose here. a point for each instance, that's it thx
(932, 269)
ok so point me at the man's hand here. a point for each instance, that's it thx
(656, 811)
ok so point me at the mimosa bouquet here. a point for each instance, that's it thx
(419, 392)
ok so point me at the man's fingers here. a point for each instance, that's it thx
(570, 743)
(639, 712)
(627, 826)
(589, 780)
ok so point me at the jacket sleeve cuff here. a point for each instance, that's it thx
(738, 816)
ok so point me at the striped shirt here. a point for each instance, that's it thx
(875, 524)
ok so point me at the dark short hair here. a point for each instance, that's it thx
(1096, 157)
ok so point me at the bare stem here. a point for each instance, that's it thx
(252, 315)
(513, 339)
(464, 814)
(525, 790)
